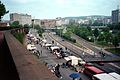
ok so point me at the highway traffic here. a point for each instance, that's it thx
(53, 50)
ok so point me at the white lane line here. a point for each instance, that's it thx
(114, 65)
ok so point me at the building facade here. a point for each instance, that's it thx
(116, 16)
(22, 18)
(48, 23)
(37, 22)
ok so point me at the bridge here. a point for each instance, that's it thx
(16, 63)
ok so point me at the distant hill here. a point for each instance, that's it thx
(85, 17)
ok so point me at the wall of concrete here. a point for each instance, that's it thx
(7, 67)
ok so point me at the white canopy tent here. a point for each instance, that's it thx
(48, 44)
(74, 59)
(104, 76)
(115, 75)
(54, 47)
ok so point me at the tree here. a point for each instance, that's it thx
(115, 41)
(101, 37)
(89, 28)
(96, 33)
(26, 26)
(2, 10)
(108, 37)
(40, 30)
(118, 35)
(15, 24)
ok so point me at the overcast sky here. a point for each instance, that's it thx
(44, 9)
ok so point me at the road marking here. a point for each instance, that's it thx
(115, 65)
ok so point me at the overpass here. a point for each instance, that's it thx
(16, 63)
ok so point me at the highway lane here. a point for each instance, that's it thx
(92, 47)
(77, 51)
(88, 57)
(114, 66)
(107, 67)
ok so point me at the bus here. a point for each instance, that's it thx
(91, 70)
(103, 76)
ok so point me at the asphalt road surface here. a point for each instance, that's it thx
(47, 57)
(108, 67)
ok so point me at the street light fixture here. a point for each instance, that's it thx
(94, 41)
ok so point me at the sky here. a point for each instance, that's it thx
(50, 9)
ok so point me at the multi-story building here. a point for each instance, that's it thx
(116, 16)
(62, 21)
(48, 23)
(37, 22)
(107, 20)
(22, 18)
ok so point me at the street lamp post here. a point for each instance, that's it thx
(102, 53)
(94, 41)
(83, 49)
(33, 25)
(94, 44)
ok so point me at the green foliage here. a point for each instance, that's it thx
(118, 35)
(40, 30)
(108, 37)
(68, 37)
(107, 29)
(96, 33)
(115, 41)
(15, 24)
(96, 23)
(114, 50)
(2, 10)
(114, 26)
(103, 36)
(26, 26)
(102, 43)
(20, 37)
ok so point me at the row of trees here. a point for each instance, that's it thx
(114, 26)
(40, 29)
(106, 35)
(66, 35)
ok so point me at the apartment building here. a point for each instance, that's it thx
(22, 18)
